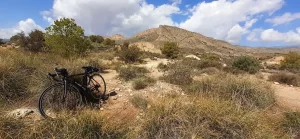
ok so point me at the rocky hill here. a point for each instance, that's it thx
(195, 42)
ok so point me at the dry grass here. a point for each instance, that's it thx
(139, 101)
(88, 124)
(24, 74)
(286, 78)
(204, 118)
(291, 123)
(244, 90)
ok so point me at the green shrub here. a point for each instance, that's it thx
(130, 55)
(109, 42)
(170, 50)
(291, 62)
(1, 41)
(286, 78)
(66, 38)
(130, 72)
(35, 41)
(143, 82)
(162, 67)
(96, 38)
(246, 63)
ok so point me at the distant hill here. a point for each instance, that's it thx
(116, 37)
(195, 42)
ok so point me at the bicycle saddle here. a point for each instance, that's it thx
(90, 69)
(62, 71)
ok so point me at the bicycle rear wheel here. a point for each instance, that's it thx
(53, 101)
(97, 86)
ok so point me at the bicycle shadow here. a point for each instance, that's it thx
(111, 94)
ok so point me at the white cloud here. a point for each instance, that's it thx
(221, 19)
(113, 16)
(283, 19)
(235, 33)
(254, 35)
(271, 35)
(27, 26)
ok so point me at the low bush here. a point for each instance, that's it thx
(143, 82)
(130, 55)
(286, 78)
(170, 50)
(246, 63)
(178, 75)
(291, 62)
(130, 72)
(139, 101)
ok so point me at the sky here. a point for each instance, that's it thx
(255, 23)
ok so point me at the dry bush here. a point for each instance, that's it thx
(291, 123)
(244, 90)
(142, 82)
(286, 78)
(130, 54)
(201, 64)
(86, 124)
(130, 72)
(178, 75)
(291, 62)
(181, 117)
(139, 101)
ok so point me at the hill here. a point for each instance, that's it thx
(194, 42)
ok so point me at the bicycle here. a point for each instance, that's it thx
(69, 93)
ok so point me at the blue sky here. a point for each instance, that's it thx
(240, 22)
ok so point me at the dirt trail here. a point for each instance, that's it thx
(288, 97)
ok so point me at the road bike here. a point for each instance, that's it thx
(71, 92)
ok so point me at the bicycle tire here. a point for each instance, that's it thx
(57, 99)
(100, 81)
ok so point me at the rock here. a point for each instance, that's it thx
(291, 86)
(193, 56)
(115, 97)
(276, 83)
(131, 94)
(117, 89)
(21, 113)
(182, 94)
(224, 65)
(119, 95)
(101, 109)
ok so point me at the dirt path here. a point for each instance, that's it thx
(288, 97)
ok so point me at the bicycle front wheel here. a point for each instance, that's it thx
(97, 86)
(54, 100)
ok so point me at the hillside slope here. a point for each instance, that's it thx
(196, 43)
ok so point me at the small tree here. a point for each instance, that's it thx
(170, 50)
(35, 41)
(65, 37)
(109, 42)
(130, 54)
(96, 38)
(1, 42)
(246, 63)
